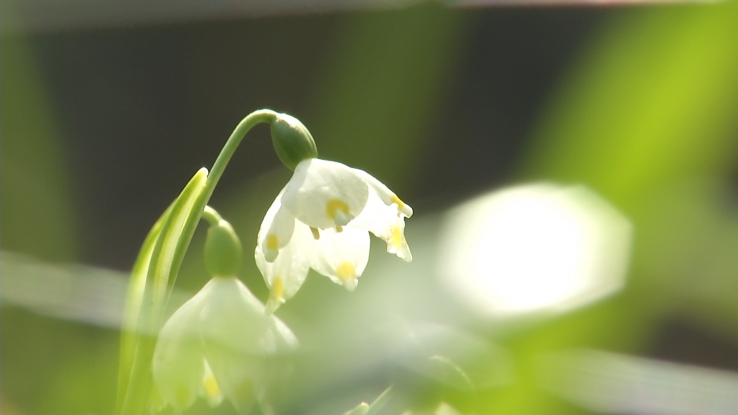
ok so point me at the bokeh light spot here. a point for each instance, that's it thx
(534, 247)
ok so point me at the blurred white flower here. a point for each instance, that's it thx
(321, 220)
(217, 345)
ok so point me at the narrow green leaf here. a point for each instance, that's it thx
(131, 313)
(165, 258)
(173, 241)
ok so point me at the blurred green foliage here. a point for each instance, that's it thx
(38, 212)
(651, 103)
(37, 218)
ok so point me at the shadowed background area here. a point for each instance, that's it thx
(106, 116)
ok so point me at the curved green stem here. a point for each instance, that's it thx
(256, 117)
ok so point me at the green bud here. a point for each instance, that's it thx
(222, 250)
(292, 141)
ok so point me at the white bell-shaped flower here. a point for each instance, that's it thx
(321, 220)
(219, 344)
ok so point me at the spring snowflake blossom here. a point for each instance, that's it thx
(217, 345)
(321, 220)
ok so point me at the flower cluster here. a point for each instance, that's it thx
(224, 343)
(321, 220)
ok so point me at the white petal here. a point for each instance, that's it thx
(178, 366)
(245, 378)
(396, 243)
(387, 223)
(286, 274)
(324, 194)
(233, 317)
(385, 194)
(237, 337)
(276, 229)
(238, 374)
(342, 256)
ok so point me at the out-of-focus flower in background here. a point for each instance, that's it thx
(533, 248)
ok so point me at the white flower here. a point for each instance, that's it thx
(321, 220)
(216, 344)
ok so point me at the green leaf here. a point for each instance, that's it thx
(134, 299)
(165, 259)
(175, 236)
(653, 101)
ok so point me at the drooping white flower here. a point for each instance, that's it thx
(216, 345)
(321, 220)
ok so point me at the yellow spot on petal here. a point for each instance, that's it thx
(346, 271)
(335, 205)
(316, 233)
(211, 387)
(397, 237)
(339, 229)
(272, 242)
(278, 289)
(182, 395)
(397, 201)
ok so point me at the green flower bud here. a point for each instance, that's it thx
(222, 250)
(292, 140)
